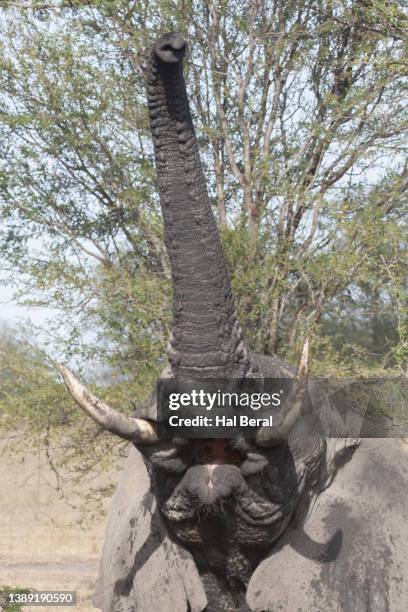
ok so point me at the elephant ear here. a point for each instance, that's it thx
(141, 567)
(349, 554)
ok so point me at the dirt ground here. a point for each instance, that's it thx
(42, 545)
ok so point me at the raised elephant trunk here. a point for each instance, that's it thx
(206, 337)
(206, 340)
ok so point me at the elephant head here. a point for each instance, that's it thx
(227, 501)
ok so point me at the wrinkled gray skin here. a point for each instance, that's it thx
(194, 527)
(350, 555)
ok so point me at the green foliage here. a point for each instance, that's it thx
(4, 596)
(36, 411)
(309, 179)
(301, 114)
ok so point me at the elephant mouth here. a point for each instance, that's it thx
(215, 451)
(215, 483)
(218, 499)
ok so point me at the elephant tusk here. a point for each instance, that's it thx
(269, 436)
(140, 431)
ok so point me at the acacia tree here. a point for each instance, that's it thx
(311, 102)
(300, 112)
(36, 416)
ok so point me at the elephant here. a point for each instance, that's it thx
(303, 515)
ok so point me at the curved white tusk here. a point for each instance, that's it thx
(134, 429)
(268, 436)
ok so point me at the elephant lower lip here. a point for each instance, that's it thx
(215, 462)
(211, 467)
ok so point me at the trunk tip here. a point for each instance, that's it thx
(171, 48)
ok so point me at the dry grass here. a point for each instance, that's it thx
(42, 543)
